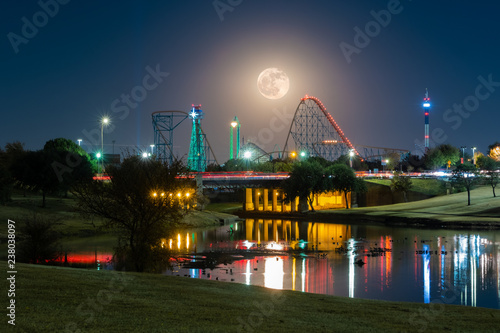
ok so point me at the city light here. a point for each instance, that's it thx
(427, 105)
(247, 154)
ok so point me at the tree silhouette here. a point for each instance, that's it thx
(143, 202)
(401, 183)
(343, 179)
(465, 175)
(306, 179)
(491, 168)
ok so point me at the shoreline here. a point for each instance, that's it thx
(343, 217)
(450, 211)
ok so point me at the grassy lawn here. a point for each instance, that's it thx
(431, 187)
(484, 209)
(60, 210)
(50, 299)
(224, 207)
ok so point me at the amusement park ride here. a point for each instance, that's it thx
(313, 131)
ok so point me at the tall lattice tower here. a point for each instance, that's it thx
(197, 155)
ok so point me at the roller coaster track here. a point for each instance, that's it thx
(313, 129)
(310, 128)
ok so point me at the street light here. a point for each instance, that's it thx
(247, 155)
(463, 153)
(152, 147)
(384, 163)
(98, 156)
(234, 124)
(104, 122)
(79, 141)
(351, 154)
(473, 156)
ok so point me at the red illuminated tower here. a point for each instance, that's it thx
(427, 107)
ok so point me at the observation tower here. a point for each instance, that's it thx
(197, 159)
(427, 106)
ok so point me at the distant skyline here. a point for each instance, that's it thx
(65, 64)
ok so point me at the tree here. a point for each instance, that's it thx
(401, 183)
(32, 170)
(69, 162)
(413, 162)
(494, 151)
(465, 175)
(6, 180)
(143, 202)
(343, 179)
(306, 179)
(56, 168)
(236, 165)
(490, 166)
(357, 162)
(39, 241)
(439, 156)
(393, 160)
(13, 151)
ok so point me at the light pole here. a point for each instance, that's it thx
(351, 154)
(152, 147)
(104, 122)
(234, 124)
(463, 153)
(247, 155)
(473, 156)
(79, 141)
(384, 163)
(98, 156)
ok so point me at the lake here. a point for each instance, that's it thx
(373, 262)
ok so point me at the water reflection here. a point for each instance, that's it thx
(354, 261)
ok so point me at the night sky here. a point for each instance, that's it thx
(60, 80)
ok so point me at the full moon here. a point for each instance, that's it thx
(273, 83)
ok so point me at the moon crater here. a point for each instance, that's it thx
(273, 83)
